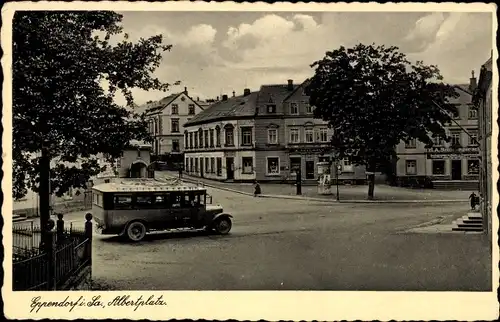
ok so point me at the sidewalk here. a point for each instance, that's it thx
(348, 194)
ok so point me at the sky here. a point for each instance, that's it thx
(216, 53)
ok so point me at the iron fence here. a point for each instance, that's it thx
(48, 268)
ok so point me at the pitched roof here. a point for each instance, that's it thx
(232, 108)
(274, 94)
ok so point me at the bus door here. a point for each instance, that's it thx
(178, 212)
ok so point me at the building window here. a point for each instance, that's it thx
(186, 140)
(196, 165)
(455, 138)
(175, 145)
(217, 136)
(472, 113)
(271, 108)
(175, 125)
(207, 165)
(186, 164)
(322, 135)
(272, 136)
(473, 167)
(211, 138)
(294, 108)
(456, 112)
(195, 140)
(473, 138)
(247, 164)
(219, 167)
(191, 109)
(309, 136)
(206, 138)
(294, 136)
(175, 109)
(246, 136)
(437, 141)
(200, 137)
(347, 165)
(273, 165)
(229, 136)
(192, 164)
(438, 167)
(309, 108)
(191, 140)
(212, 165)
(411, 167)
(160, 125)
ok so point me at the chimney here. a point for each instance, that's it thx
(246, 92)
(197, 98)
(234, 93)
(290, 84)
(186, 90)
(473, 83)
(224, 97)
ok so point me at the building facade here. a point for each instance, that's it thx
(220, 141)
(454, 164)
(483, 101)
(166, 121)
(265, 135)
(289, 138)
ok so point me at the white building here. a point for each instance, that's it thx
(167, 118)
(220, 141)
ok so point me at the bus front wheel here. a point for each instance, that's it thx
(136, 231)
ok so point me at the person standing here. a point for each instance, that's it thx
(257, 190)
(180, 172)
(473, 199)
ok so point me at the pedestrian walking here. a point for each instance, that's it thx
(257, 190)
(473, 201)
(180, 172)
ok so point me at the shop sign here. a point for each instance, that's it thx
(452, 153)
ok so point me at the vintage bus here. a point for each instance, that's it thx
(134, 207)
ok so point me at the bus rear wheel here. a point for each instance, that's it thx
(136, 231)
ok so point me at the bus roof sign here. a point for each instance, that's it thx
(152, 185)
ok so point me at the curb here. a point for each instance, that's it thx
(420, 201)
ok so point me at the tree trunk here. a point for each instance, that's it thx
(371, 185)
(371, 181)
(44, 193)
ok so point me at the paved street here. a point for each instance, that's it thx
(346, 192)
(296, 245)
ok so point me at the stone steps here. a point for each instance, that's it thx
(472, 222)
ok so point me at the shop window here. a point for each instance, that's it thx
(247, 164)
(438, 167)
(273, 165)
(473, 167)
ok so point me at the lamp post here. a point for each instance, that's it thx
(337, 169)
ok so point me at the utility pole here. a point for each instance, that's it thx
(298, 181)
(337, 166)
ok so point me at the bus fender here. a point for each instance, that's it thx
(222, 215)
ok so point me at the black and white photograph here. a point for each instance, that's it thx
(207, 146)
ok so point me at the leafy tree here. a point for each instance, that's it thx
(373, 98)
(60, 111)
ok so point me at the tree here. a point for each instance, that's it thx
(61, 113)
(373, 98)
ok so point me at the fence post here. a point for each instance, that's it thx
(60, 228)
(88, 236)
(49, 244)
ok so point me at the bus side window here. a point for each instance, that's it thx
(176, 200)
(123, 202)
(108, 201)
(144, 201)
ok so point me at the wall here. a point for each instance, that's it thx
(130, 156)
